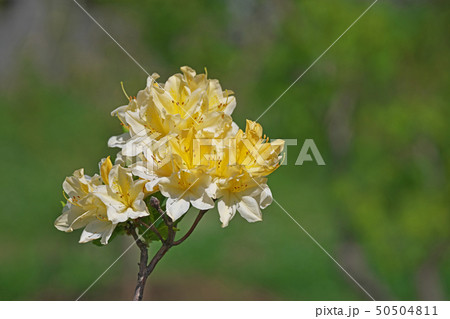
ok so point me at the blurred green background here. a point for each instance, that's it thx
(376, 106)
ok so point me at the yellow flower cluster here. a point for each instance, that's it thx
(180, 140)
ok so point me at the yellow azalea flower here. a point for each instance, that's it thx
(236, 171)
(183, 142)
(185, 188)
(83, 209)
(240, 174)
(180, 140)
(185, 101)
(259, 157)
(122, 196)
(243, 193)
(155, 162)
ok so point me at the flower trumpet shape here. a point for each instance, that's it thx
(185, 188)
(83, 209)
(122, 196)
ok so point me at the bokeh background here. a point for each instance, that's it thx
(376, 105)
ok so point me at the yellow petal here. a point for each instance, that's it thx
(104, 170)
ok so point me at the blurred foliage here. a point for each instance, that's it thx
(376, 106)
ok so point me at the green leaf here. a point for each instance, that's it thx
(152, 219)
(97, 243)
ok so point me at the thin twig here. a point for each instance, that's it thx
(154, 202)
(189, 232)
(152, 228)
(144, 269)
(161, 252)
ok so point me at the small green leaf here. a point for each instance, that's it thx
(97, 242)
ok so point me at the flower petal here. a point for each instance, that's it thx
(118, 141)
(116, 214)
(152, 186)
(226, 211)
(176, 207)
(203, 202)
(70, 213)
(169, 188)
(107, 234)
(249, 209)
(265, 198)
(95, 230)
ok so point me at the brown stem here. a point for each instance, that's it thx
(144, 270)
(142, 274)
(189, 232)
(162, 251)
